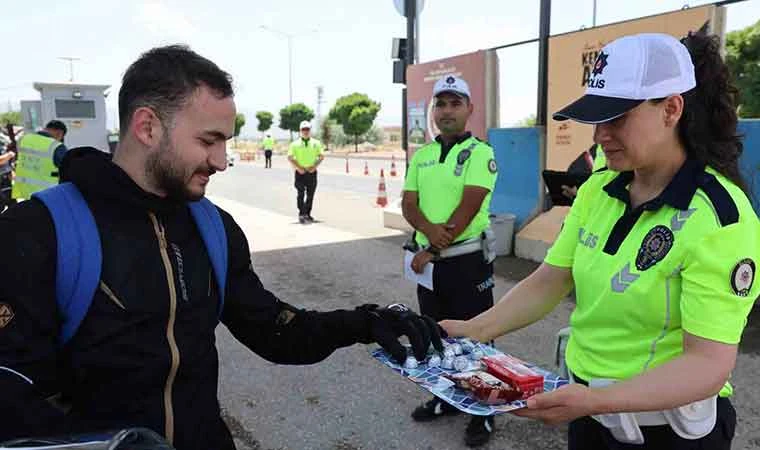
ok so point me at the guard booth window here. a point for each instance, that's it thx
(75, 109)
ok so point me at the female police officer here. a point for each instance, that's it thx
(661, 249)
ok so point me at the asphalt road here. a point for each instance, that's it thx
(349, 401)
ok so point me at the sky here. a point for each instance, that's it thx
(342, 45)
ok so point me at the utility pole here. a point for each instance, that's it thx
(410, 10)
(543, 87)
(71, 60)
(320, 101)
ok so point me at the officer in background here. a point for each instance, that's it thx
(268, 145)
(586, 163)
(446, 197)
(305, 154)
(6, 172)
(39, 156)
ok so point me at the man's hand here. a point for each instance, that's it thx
(439, 234)
(311, 169)
(300, 171)
(420, 260)
(389, 322)
(569, 191)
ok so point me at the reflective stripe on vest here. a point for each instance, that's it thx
(35, 169)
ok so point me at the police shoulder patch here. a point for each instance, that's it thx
(492, 166)
(654, 247)
(742, 277)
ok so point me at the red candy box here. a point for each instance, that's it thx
(485, 387)
(515, 373)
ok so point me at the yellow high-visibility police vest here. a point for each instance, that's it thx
(35, 170)
(600, 161)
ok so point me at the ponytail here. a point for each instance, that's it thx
(708, 125)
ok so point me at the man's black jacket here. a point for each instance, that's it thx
(145, 354)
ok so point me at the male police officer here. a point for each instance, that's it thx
(446, 197)
(143, 353)
(268, 145)
(39, 157)
(305, 154)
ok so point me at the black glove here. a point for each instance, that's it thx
(386, 324)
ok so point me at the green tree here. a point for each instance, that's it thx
(291, 116)
(529, 121)
(337, 137)
(10, 117)
(375, 135)
(355, 113)
(325, 132)
(743, 60)
(265, 119)
(239, 124)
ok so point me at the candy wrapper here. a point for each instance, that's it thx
(487, 394)
(485, 387)
(515, 373)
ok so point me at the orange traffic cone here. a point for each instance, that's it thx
(366, 168)
(393, 166)
(382, 198)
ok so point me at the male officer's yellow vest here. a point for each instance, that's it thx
(35, 170)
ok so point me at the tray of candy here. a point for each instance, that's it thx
(460, 355)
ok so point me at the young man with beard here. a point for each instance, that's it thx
(447, 193)
(144, 353)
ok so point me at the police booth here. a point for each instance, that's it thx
(81, 107)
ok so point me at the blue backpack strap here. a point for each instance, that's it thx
(79, 255)
(210, 224)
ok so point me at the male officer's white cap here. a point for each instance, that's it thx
(450, 83)
(304, 125)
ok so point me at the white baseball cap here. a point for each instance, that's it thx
(629, 71)
(450, 83)
(305, 124)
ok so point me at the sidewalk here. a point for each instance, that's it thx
(268, 230)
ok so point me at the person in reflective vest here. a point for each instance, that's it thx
(39, 156)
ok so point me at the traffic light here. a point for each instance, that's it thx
(398, 54)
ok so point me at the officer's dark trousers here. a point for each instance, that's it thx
(588, 434)
(268, 156)
(305, 184)
(463, 288)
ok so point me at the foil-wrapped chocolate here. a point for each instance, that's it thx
(411, 363)
(461, 363)
(467, 345)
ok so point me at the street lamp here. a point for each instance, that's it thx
(71, 60)
(289, 37)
